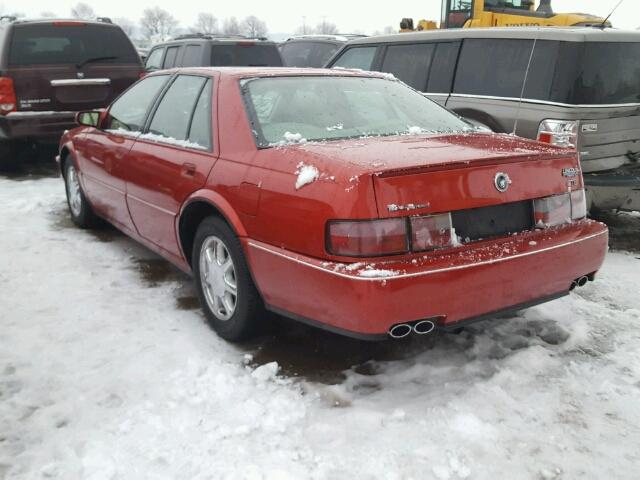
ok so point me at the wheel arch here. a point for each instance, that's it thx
(198, 207)
(481, 117)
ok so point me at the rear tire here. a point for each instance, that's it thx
(229, 298)
(79, 208)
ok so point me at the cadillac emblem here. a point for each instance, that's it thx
(502, 182)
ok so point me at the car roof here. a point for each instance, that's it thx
(251, 72)
(223, 39)
(44, 21)
(337, 38)
(571, 34)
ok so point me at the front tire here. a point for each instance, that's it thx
(79, 208)
(228, 296)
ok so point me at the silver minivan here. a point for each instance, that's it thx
(571, 87)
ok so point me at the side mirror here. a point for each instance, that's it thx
(88, 119)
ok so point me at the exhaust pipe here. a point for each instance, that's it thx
(424, 327)
(582, 281)
(574, 284)
(400, 331)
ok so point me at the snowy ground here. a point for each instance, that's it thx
(107, 371)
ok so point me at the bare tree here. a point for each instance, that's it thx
(231, 26)
(127, 25)
(83, 11)
(157, 24)
(326, 28)
(254, 27)
(206, 23)
(47, 14)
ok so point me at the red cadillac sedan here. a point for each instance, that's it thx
(343, 199)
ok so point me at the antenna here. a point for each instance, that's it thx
(524, 82)
(604, 22)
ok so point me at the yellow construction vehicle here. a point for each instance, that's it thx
(500, 13)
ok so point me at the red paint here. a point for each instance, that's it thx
(144, 188)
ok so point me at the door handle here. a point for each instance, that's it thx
(188, 169)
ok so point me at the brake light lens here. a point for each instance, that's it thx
(560, 133)
(8, 99)
(368, 238)
(429, 233)
(559, 209)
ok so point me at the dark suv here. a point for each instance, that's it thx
(50, 69)
(312, 50)
(199, 50)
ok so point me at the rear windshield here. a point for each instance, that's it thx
(245, 55)
(70, 44)
(307, 54)
(298, 109)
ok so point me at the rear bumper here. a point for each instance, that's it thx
(618, 189)
(45, 127)
(454, 287)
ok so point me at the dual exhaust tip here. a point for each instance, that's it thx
(402, 330)
(580, 282)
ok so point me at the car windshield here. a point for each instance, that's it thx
(308, 108)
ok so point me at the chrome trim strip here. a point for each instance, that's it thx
(429, 272)
(436, 94)
(542, 102)
(160, 209)
(80, 81)
(35, 113)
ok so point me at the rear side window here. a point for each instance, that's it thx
(245, 55)
(170, 57)
(361, 57)
(130, 110)
(173, 116)
(409, 63)
(496, 67)
(201, 129)
(46, 44)
(192, 56)
(154, 60)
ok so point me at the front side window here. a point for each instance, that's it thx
(409, 63)
(359, 57)
(129, 112)
(172, 118)
(442, 67)
(286, 109)
(154, 60)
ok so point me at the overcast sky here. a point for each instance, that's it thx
(284, 16)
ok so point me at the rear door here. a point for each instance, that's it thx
(70, 65)
(171, 160)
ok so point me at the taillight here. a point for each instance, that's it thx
(561, 133)
(559, 209)
(578, 205)
(7, 96)
(368, 238)
(429, 233)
